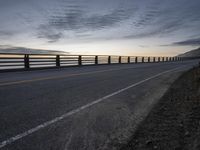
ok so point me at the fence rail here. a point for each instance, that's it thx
(30, 61)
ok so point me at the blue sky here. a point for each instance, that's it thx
(118, 27)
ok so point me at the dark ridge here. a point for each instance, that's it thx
(192, 53)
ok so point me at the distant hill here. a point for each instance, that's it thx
(22, 50)
(192, 53)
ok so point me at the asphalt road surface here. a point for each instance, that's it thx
(80, 108)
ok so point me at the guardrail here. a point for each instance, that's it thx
(31, 61)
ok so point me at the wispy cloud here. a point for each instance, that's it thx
(190, 42)
(49, 33)
(74, 18)
(24, 50)
(6, 33)
(78, 21)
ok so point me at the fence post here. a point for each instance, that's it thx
(120, 59)
(96, 60)
(149, 59)
(154, 59)
(109, 59)
(80, 60)
(136, 60)
(129, 60)
(57, 60)
(163, 59)
(158, 59)
(142, 59)
(26, 61)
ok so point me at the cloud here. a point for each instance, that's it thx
(162, 30)
(48, 33)
(150, 13)
(24, 50)
(6, 33)
(157, 21)
(166, 19)
(74, 19)
(190, 42)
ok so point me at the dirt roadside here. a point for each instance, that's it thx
(174, 123)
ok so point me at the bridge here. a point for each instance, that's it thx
(89, 107)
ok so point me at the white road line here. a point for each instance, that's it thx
(48, 123)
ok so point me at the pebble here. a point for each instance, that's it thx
(148, 142)
(187, 133)
(155, 147)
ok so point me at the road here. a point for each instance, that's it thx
(80, 108)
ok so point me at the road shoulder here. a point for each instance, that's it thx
(174, 123)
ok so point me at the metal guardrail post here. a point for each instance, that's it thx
(129, 60)
(26, 61)
(154, 59)
(57, 60)
(142, 59)
(96, 60)
(109, 59)
(136, 60)
(120, 59)
(158, 59)
(149, 59)
(80, 60)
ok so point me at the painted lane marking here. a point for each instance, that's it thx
(63, 76)
(72, 112)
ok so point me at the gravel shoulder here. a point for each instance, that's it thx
(174, 123)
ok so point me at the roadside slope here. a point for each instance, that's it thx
(192, 53)
(174, 123)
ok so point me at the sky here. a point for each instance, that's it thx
(110, 27)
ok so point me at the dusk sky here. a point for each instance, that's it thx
(118, 27)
